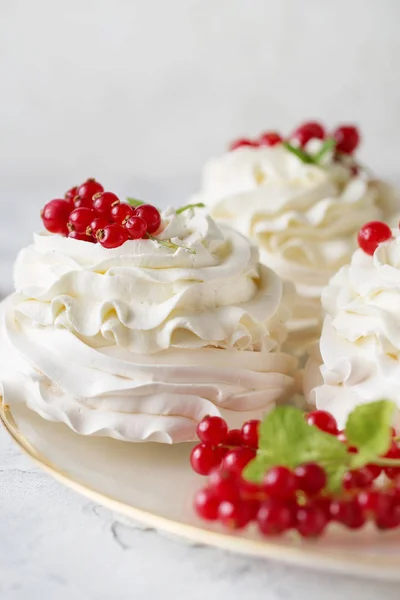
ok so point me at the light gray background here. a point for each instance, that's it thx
(139, 93)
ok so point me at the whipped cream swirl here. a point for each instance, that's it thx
(360, 342)
(142, 341)
(302, 216)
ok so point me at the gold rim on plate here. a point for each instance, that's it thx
(306, 553)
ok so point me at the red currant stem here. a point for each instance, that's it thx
(187, 206)
(169, 244)
(134, 202)
(386, 462)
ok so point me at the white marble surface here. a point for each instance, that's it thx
(55, 545)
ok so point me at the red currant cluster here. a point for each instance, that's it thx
(90, 214)
(347, 137)
(289, 499)
(372, 234)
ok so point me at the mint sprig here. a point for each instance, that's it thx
(170, 244)
(301, 154)
(286, 439)
(311, 159)
(328, 146)
(134, 202)
(187, 206)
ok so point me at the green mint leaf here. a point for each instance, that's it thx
(335, 477)
(328, 145)
(169, 244)
(301, 154)
(134, 202)
(368, 428)
(183, 208)
(257, 468)
(286, 439)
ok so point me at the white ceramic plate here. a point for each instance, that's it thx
(154, 484)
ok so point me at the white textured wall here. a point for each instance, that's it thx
(140, 92)
(145, 90)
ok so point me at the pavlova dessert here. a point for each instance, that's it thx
(135, 324)
(302, 199)
(359, 358)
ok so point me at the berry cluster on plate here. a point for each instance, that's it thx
(326, 475)
(91, 214)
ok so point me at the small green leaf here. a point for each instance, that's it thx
(257, 468)
(368, 428)
(134, 202)
(169, 244)
(187, 206)
(328, 145)
(335, 477)
(286, 439)
(301, 154)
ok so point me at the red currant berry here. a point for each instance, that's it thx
(103, 202)
(112, 236)
(220, 453)
(339, 510)
(308, 131)
(212, 430)
(324, 503)
(393, 452)
(233, 514)
(375, 470)
(311, 478)
(251, 491)
(70, 194)
(242, 143)
(120, 213)
(96, 225)
(136, 228)
(87, 190)
(347, 138)
(80, 219)
(250, 433)
(269, 138)
(353, 517)
(389, 516)
(372, 234)
(203, 459)
(83, 237)
(357, 479)
(206, 504)
(82, 202)
(55, 216)
(274, 517)
(224, 483)
(233, 438)
(252, 508)
(149, 214)
(323, 420)
(237, 459)
(374, 503)
(311, 521)
(280, 482)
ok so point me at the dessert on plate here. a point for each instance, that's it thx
(302, 200)
(359, 352)
(134, 324)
